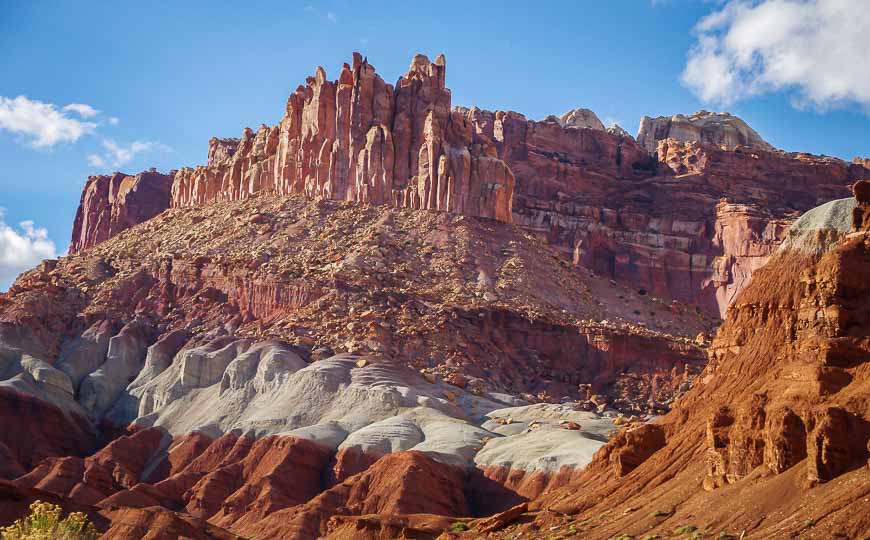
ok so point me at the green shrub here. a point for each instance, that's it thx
(459, 527)
(685, 529)
(44, 523)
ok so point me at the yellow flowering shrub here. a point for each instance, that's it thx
(44, 523)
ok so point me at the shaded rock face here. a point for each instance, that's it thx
(719, 129)
(111, 204)
(361, 139)
(36, 430)
(692, 227)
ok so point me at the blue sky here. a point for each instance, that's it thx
(166, 76)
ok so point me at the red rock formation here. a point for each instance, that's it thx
(111, 204)
(15, 502)
(692, 228)
(159, 523)
(492, 488)
(35, 430)
(778, 421)
(220, 149)
(400, 483)
(380, 527)
(360, 139)
(117, 466)
(119, 523)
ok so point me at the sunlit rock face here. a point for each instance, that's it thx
(719, 129)
(360, 139)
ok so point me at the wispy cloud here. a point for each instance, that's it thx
(22, 248)
(816, 50)
(82, 109)
(330, 16)
(43, 125)
(116, 155)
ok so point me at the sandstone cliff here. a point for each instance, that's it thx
(255, 350)
(691, 226)
(361, 139)
(111, 204)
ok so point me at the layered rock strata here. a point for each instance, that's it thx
(780, 409)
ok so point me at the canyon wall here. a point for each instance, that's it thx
(691, 225)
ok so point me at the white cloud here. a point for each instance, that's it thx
(816, 50)
(22, 249)
(42, 123)
(83, 110)
(116, 155)
(112, 120)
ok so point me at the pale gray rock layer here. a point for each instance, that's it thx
(723, 129)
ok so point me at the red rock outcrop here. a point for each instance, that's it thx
(361, 139)
(220, 149)
(15, 502)
(778, 420)
(400, 483)
(117, 466)
(35, 430)
(692, 227)
(111, 204)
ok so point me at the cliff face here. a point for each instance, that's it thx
(111, 204)
(361, 139)
(690, 224)
(243, 346)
